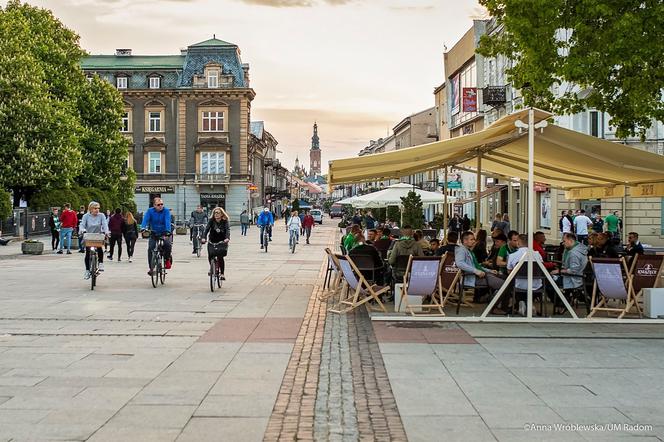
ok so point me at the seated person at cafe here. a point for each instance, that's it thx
(405, 245)
(522, 283)
(372, 236)
(350, 240)
(634, 246)
(506, 250)
(539, 241)
(601, 246)
(499, 241)
(362, 248)
(419, 237)
(451, 243)
(383, 240)
(480, 246)
(575, 260)
(434, 245)
(475, 275)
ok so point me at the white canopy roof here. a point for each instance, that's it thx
(391, 196)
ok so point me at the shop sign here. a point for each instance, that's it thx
(539, 187)
(213, 196)
(453, 185)
(587, 193)
(154, 189)
(470, 99)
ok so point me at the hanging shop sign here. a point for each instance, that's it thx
(154, 189)
(469, 99)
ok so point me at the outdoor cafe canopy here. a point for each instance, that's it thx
(564, 158)
(391, 196)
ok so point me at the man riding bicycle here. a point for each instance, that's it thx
(158, 220)
(197, 223)
(265, 221)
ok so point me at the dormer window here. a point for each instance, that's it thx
(213, 79)
(121, 82)
(155, 83)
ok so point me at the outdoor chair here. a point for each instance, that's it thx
(422, 278)
(382, 245)
(450, 276)
(522, 273)
(332, 280)
(359, 290)
(365, 265)
(646, 273)
(610, 285)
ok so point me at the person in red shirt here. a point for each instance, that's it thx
(538, 245)
(307, 224)
(68, 222)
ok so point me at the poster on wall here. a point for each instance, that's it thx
(454, 95)
(469, 98)
(545, 210)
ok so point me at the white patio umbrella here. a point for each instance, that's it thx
(391, 196)
(346, 200)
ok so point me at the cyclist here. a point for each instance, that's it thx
(218, 233)
(200, 218)
(294, 225)
(265, 221)
(93, 222)
(158, 220)
(308, 223)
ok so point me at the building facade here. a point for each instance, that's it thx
(187, 118)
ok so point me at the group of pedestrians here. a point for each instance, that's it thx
(579, 223)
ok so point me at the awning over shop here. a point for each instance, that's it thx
(563, 158)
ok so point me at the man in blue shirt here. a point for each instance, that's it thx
(265, 221)
(158, 220)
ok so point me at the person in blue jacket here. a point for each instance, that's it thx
(158, 220)
(265, 221)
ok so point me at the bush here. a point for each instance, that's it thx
(5, 205)
(79, 196)
(412, 210)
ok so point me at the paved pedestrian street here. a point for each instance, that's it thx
(263, 359)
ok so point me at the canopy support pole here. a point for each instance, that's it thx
(478, 198)
(445, 208)
(623, 236)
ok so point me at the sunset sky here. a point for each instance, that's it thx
(355, 66)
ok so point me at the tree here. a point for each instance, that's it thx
(611, 49)
(412, 210)
(5, 205)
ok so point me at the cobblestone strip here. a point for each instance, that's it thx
(377, 413)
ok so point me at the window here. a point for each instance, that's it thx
(213, 121)
(154, 82)
(594, 123)
(213, 79)
(154, 162)
(121, 82)
(125, 122)
(213, 162)
(154, 120)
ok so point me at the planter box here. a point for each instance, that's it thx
(32, 248)
(181, 230)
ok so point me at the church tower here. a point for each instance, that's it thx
(314, 153)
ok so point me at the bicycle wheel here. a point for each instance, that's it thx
(197, 244)
(266, 239)
(93, 270)
(293, 242)
(212, 275)
(162, 270)
(218, 274)
(155, 269)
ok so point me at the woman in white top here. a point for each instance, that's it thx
(294, 224)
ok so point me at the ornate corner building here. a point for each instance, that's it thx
(187, 117)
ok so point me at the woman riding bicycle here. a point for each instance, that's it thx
(218, 233)
(294, 225)
(93, 222)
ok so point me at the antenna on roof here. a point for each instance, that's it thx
(214, 35)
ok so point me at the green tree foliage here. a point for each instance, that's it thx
(393, 214)
(412, 210)
(611, 48)
(5, 205)
(296, 205)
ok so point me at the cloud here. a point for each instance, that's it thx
(422, 8)
(294, 3)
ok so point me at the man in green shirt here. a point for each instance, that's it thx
(510, 247)
(612, 222)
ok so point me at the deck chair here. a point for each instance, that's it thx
(450, 276)
(422, 278)
(646, 272)
(359, 290)
(332, 281)
(610, 284)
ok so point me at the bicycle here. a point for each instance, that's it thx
(197, 238)
(266, 236)
(158, 263)
(292, 240)
(94, 241)
(215, 272)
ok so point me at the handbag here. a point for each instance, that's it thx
(217, 249)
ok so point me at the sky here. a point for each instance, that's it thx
(357, 67)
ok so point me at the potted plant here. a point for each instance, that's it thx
(32, 247)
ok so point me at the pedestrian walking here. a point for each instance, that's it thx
(116, 225)
(465, 222)
(581, 225)
(54, 224)
(79, 217)
(108, 218)
(68, 222)
(308, 223)
(244, 222)
(130, 234)
(369, 220)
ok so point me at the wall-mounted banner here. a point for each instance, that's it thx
(590, 193)
(454, 94)
(154, 189)
(646, 190)
(469, 97)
